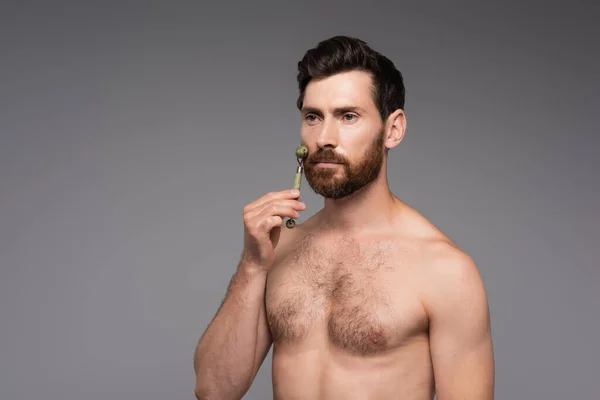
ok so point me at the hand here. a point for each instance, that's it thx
(263, 219)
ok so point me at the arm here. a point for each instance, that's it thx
(460, 333)
(237, 340)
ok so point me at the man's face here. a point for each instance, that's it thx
(342, 128)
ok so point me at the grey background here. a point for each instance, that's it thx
(133, 133)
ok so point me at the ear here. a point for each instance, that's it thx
(395, 129)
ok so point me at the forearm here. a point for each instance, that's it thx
(226, 354)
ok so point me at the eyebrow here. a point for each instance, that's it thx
(336, 111)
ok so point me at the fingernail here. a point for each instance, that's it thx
(295, 192)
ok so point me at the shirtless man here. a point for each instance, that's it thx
(366, 299)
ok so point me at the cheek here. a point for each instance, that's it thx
(308, 136)
(304, 133)
(353, 143)
(359, 130)
(310, 129)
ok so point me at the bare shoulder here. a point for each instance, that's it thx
(447, 270)
(440, 254)
(447, 264)
(452, 284)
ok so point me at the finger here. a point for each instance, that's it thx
(280, 211)
(257, 223)
(281, 195)
(281, 208)
(274, 196)
(261, 227)
(269, 207)
(270, 223)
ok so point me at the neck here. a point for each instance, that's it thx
(373, 206)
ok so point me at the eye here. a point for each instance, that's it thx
(310, 117)
(350, 117)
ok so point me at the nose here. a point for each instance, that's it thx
(328, 136)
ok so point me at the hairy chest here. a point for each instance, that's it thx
(361, 296)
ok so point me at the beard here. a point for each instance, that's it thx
(343, 180)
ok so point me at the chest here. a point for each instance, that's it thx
(361, 297)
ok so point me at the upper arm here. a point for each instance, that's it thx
(459, 330)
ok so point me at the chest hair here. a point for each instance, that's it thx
(339, 287)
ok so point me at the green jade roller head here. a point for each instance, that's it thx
(301, 154)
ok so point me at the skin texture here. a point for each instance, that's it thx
(366, 299)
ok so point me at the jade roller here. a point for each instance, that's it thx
(301, 154)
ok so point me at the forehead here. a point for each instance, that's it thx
(353, 88)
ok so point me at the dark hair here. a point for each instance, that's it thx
(342, 54)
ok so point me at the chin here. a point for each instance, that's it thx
(333, 191)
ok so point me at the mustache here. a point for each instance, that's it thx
(326, 156)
